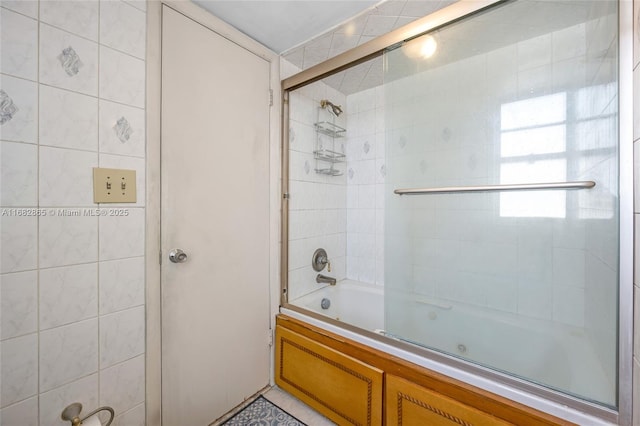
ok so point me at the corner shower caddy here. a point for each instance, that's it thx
(326, 153)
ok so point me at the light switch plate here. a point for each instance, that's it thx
(114, 185)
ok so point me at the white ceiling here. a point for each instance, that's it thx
(283, 24)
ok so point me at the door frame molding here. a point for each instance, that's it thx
(153, 376)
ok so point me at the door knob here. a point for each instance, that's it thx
(177, 256)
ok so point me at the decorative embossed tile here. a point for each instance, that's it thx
(263, 412)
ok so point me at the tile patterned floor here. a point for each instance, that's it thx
(262, 412)
(286, 402)
(296, 408)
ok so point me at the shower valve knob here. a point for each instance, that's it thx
(177, 256)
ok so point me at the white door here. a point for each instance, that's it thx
(215, 207)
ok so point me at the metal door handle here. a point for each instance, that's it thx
(177, 256)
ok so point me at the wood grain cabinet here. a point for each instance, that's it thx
(342, 388)
(354, 384)
(408, 404)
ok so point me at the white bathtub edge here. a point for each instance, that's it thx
(511, 393)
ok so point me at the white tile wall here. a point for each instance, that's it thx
(84, 391)
(66, 177)
(21, 234)
(133, 417)
(130, 144)
(121, 284)
(121, 77)
(317, 203)
(122, 386)
(19, 304)
(81, 281)
(636, 280)
(79, 18)
(67, 240)
(68, 119)
(79, 72)
(19, 35)
(58, 123)
(24, 413)
(22, 126)
(122, 27)
(68, 353)
(19, 370)
(28, 8)
(122, 236)
(366, 172)
(19, 174)
(121, 336)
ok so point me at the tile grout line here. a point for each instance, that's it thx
(98, 72)
(37, 112)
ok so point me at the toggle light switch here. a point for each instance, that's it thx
(114, 185)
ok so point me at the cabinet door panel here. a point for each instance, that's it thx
(409, 404)
(345, 390)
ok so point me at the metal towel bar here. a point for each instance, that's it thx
(492, 188)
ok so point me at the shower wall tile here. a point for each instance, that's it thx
(66, 177)
(23, 413)
(19, 304)
(122, 27)
(68, 294)
(122, 386)
(569, 42)
(19, 112)
(80, 18)
(122, 236)
(18, 45)
(19, 175)
(121, 284)
(568, 267)
(535, 299)
(84, 391)
(122, 129)
(568, 305)
(21, 234)
(19, 369)
(301, 137)
(68, 119)
(68, 61)
(121, 336)
(121, 77)
(68, 240)
(68, 353)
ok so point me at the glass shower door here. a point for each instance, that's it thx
(519, 280)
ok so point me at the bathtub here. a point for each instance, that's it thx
(522, 347)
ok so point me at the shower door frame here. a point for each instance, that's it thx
(459, 10)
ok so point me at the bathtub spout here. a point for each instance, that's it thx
(323, 279)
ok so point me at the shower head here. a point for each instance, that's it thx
(336, 109)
